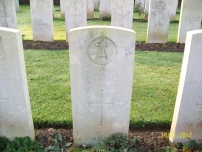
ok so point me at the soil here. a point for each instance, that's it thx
(141, 46)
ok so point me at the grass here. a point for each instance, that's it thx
(24, 24)
(156, 77)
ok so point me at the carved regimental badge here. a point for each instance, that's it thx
(102, 50)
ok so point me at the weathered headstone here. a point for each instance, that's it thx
(90, 9)
(122, 13)
(7, 14)
(190, 18)
(15, 111)
(42, 20)
(96, 4)
(63, 7)
(75, 15)
(159, 21)
(187, 120)
(105, 8)
(101, 91)
(17, 6)
(173, 9)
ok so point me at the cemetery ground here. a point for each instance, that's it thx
(156, 78)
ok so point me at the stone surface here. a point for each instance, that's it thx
(7, 14)
(62, 8)
(17, 6)
(122, 13)
(158, 22)
(173, 9)
(190, 18)
(96, 4)
(75, 15)
(187, 120)
(140, 3)
(90, 9)
(15, 111)
(146, 7)
(101, 91)
(105, 8)
(42, 20)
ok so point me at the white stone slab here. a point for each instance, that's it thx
(122, 13)
(187, 120)
(158, 22)
(190, 18)
(101, 91)
(7, 14)
(140, 3)
(90, 9)
(62, 8)
(105, 8)
(15, 111)
(96, 4)
(42, 20)
(173, 9)
(75, 15)
(146, 6)
(17, 6)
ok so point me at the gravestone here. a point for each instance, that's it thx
(96, 4)
(122, 13)
(15, 111)
(146, 7)
(173, 9)
(62, 8)
(75, 15)
(101, 91)
(190, 18)
(17, 6)
(187, 120)
(159, 21)
(140, 4)
(90, 9)
(42, 20)
(7, 14)
(105, 9)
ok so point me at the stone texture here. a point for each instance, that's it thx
(101, 91)
(62, 8)
(122, 13)
(187, 120)
(17, 6)
(146, 7)
(105, 8)
(42, 20)
(7, 14)
(173, 9)
(75, 15)
(140, 3)
(96, 4)
(90, 9)
(159, 21)
(190, 18)
(15, 111)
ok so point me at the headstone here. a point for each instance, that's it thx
(139, 3)
(146, 7)
(96, 4)
(75, 15)
(15, 111)
(62, 8)
(190, 18)
(90, 9)
(187, 120)
(7, 14)
(122, 13)
(101, 91)
(42, 20)
(17, 6)
(159, 21)
(173, 9)
(105, 8)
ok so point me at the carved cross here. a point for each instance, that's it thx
(41, 24)
(122, 15)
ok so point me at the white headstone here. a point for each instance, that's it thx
(101, 91)
(190, 18)
(17, 6)
(96, 4)
(159, 21)
(105, 8)
(15, 111)
(173, 9)
(90, 9)
(140, 3)
(122, 13)
(146, 6)
(42, 20)
(7, 14)
(187, 118)
(62, 8)
(75, 15)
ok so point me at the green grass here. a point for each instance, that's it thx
(24, 24)
(156, 77)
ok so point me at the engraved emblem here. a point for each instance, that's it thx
(1, 54)
(102, 50)
(161, 5)
(41, 5)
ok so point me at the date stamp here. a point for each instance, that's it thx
(176, 135)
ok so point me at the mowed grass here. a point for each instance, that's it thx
(24, 24)
(156, 77)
